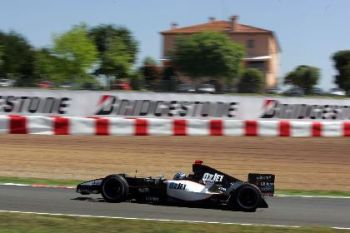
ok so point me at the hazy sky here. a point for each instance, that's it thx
(309, 31)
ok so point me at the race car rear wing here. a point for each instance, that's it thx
(265, 182)
(203, 172)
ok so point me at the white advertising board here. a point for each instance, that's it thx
(168, 105)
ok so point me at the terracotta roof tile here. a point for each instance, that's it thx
(218, 26)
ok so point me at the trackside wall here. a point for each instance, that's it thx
(46, 125)
(35, 102)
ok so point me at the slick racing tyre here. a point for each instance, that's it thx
(246, 198)
(114, 188)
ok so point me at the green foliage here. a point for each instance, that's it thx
(208, 54)
(116, 60)
(305, 77)
(70, 59)
(342, 64)
(74, 55)
(117, 49)
(252, 81)
(17, 59)
(49, 67)
(75, 49)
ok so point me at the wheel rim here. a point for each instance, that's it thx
(247, 198)
(112, 188)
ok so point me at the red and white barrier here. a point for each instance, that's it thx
(170, 127)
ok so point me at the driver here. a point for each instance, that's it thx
(180, 176)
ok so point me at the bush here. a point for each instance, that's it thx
(304, 77)
(252, 81)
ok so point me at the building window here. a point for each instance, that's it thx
(250, 43)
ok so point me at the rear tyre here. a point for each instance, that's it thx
(246, 198)
(114, 188)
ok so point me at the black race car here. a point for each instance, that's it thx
(205, 185)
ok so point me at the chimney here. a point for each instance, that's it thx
(234, 22)
(173, 25)
(211, 19)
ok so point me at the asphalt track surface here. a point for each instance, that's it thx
(293, 211)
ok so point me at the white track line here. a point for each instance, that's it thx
(147, 219)
(341, 228)
(73, 187)
(38, 185)
(312, 196)
(15, 184)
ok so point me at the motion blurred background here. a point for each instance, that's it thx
(126, 45)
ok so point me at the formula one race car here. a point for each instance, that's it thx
(206, 186)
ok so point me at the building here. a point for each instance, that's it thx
(262, 47)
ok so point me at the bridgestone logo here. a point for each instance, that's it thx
(112, 105)
(275, 109)
(33, 104)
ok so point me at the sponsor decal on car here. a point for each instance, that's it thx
(212, 177)
(178, 186)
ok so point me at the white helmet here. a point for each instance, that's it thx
(180, 176)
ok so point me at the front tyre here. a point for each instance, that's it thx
(246, 198)
(114, 188)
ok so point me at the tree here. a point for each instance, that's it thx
(252, 81)
(115, 60)
(305, 77)
(117, 49)
(342, 64)
(76, 51)
(17, 59)
(150, 72)
(208, 54)
(52, 68)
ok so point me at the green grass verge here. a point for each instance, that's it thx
(30, 223)
(55, 182)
